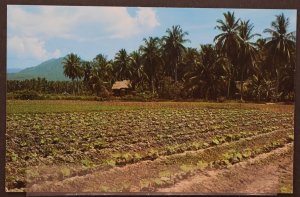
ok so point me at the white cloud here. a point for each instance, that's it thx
(146, 17)
(30, 28)
(116, 21)
(56, 53)
(30, 47)
(66, 22)
(45, 23)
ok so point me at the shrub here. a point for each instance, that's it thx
(170, 89)
(28, 95)
(133, 98)
(148, 95)
(144, 96)
(10, 95)
(104, 93)
(221, 99)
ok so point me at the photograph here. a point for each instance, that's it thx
(153, 100)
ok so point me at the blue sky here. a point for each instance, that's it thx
(38, 33)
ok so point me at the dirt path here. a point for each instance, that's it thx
(263, 174)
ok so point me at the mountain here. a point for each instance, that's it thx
(13, 70)
(51, 69)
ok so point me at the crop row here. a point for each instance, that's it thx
(118, 138)
(166, 171)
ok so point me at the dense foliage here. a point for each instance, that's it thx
(239, 65)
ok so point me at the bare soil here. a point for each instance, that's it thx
(264, 174)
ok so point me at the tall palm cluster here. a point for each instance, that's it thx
(239, 64)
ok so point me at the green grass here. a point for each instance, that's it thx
(48, 106)
(52, 106)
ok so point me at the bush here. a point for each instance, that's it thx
(170, 89)
(148, 96)
(133, 98)
(143, 96)
(221, 99)
(104, 93)
(10, 95)
(28, 95)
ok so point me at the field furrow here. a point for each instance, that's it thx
(141, 149)
(167, 170)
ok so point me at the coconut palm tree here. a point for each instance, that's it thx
(96, 84)
(204, 80)
(102, 73)
(136, 63)
(190, 60)
(280, 46)
(72, 68)
(173, 48)
(87, 71)
(122, 65)
(227, 72)
(151, 59)
(228, 41)
(260, 45)
(248, 53)
(103, 68)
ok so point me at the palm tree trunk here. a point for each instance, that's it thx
(97, 91)
(206, 94)
(175, 72)
(277, 67)
(228, 89)
(242, 85)
(77, 87)
(152, 83)
(277, 86)
(277, 80)
(73, 87)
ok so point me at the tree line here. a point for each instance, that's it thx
(40, 85)
(239, 64)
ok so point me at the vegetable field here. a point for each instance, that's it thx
(87, 146)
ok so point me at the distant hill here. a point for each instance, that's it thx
(13, 70)
(51, 69)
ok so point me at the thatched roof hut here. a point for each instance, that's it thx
(121, 87)
(125, 84)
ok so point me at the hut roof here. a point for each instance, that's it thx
(125, 84)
